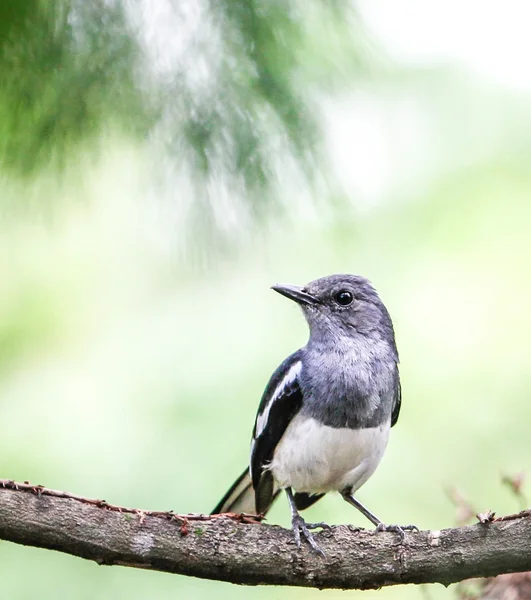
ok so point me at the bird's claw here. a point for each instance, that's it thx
(400, 529)
(299, 526)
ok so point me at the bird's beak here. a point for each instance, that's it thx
(294, 292)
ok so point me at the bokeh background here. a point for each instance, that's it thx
(163, 163)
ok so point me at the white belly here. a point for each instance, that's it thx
(315, 458)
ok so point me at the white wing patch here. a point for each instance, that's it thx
(288, 379)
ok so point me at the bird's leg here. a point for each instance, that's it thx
(299, 525)
(380, 526)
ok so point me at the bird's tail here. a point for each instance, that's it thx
(241, 498)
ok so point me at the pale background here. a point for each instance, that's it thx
(131, 363)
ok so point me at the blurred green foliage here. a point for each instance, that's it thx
(230, 106)
(66, 69)
(130, 373)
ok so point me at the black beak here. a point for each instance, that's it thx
(294, 292)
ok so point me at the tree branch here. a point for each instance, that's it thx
(239, 550)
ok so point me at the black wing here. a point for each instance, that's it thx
(280, 402)
(397, 400)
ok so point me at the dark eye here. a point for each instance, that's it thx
(344, 297)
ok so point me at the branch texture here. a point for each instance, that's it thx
(238, 549)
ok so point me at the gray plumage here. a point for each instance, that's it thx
(350, 374)
(324, 418)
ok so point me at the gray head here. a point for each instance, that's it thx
(340, 306)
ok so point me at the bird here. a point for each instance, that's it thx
(325, 416)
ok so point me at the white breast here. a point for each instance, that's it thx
(312, 457)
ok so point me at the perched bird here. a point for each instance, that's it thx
(325, 415)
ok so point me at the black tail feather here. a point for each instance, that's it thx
(241, 498)
(303, 500)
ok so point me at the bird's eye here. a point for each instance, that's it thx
(343, 298)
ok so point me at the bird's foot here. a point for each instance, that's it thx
(300, 526)
(400, 529)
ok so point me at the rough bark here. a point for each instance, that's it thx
(234, 549)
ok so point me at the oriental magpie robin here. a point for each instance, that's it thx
(325, 415)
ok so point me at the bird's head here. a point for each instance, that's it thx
(341, 306)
